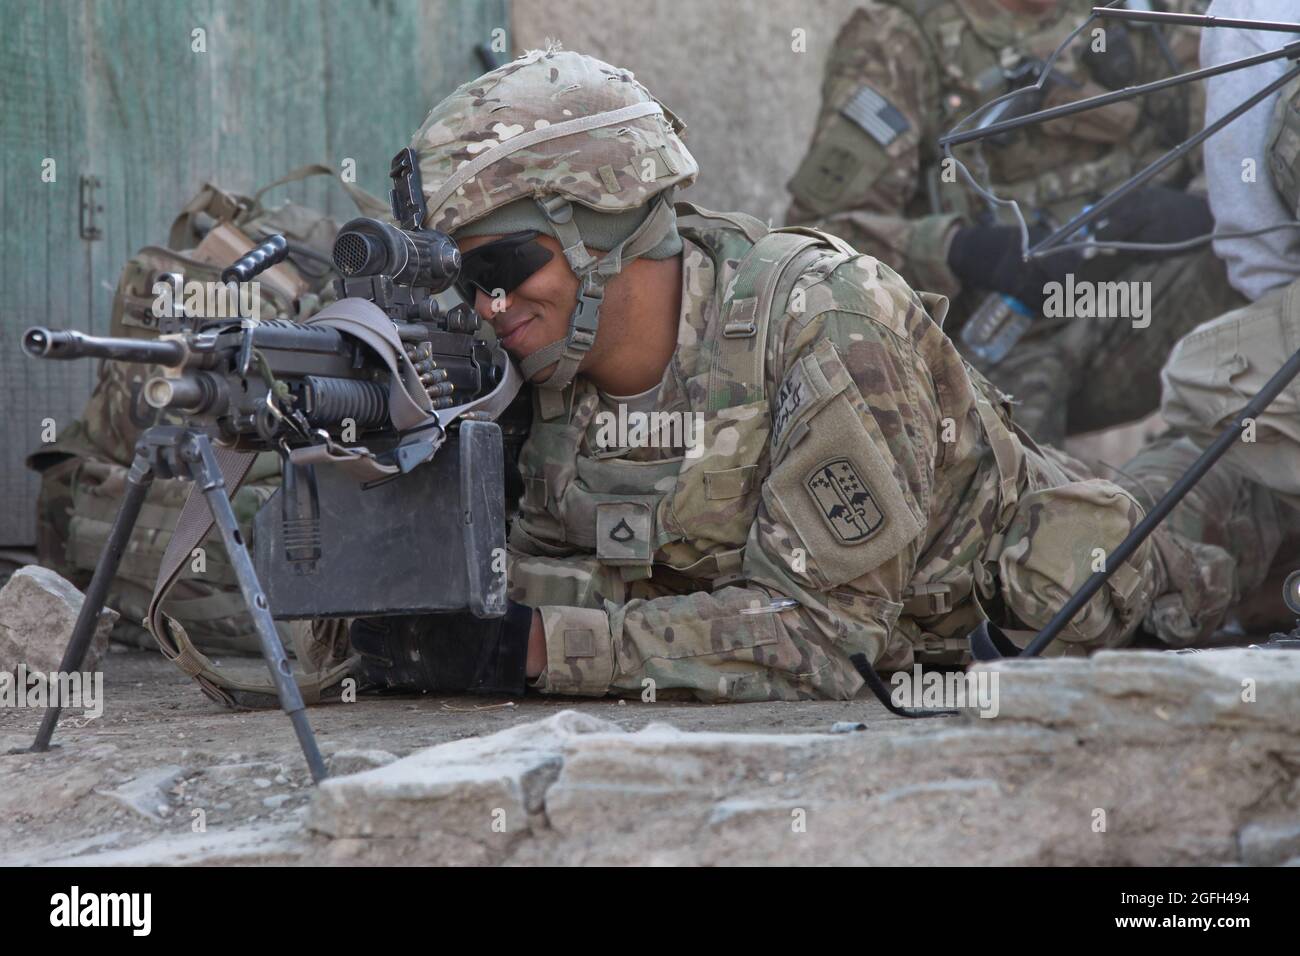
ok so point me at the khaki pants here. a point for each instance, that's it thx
(1219, 543)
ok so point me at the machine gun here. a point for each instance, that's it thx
(382, 409)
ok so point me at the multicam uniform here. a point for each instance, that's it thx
(856, 488)
(902, 73)
(855, 465)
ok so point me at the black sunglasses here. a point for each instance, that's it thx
(502, 265)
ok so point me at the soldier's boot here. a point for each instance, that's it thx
(445, 652)
(1216, 545)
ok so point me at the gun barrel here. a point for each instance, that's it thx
(40, 342)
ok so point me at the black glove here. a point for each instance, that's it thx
(446, 652)
(1155, 214)
(988, 257)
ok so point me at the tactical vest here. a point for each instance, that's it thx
(688, 515)
(1055, 169)
(689, 518)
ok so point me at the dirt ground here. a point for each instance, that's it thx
(164, 767)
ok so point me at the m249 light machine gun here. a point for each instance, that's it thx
(382, 409)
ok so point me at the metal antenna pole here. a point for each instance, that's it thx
(1288, 52)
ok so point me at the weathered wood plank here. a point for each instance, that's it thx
(115, 88)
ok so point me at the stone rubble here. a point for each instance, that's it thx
(1127, 758)
(38, 609)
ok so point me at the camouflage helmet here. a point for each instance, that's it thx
(558, 128)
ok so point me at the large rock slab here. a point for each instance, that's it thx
(1127, 758)
(38, 609)
(469, 801)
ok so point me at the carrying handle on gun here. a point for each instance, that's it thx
(260, 259)
(989, 643)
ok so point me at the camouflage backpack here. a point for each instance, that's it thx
(83, 474)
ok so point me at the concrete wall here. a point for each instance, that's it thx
(725, 66)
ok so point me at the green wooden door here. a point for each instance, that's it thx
(154, 97)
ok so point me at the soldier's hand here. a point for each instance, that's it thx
(1156, 214)
(989, 257)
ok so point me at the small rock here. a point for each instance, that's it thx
(355, 761)
(261, 783)
(143, 793)
(275, 802)
(38, 609)
(847, 726)
(1269, 844)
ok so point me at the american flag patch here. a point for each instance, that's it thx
(876, 115)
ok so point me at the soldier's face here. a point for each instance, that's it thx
(537, 312)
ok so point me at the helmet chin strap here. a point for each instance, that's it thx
(592, 273)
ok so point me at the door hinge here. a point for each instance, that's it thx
(90, 208)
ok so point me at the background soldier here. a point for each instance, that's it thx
(856, 488)
(1220, 544)
(903, 72)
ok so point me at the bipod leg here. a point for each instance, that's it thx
(138, 481)
(207, 474)
(989, 643)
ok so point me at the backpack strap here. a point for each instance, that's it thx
(367, 203)
(191, 528)
(690, 216)
(761, 285)
(225, 206)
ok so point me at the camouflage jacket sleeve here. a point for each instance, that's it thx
(863, 169)
(855, 415)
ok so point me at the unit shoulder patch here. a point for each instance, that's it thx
(844, 501)
(833, 484)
